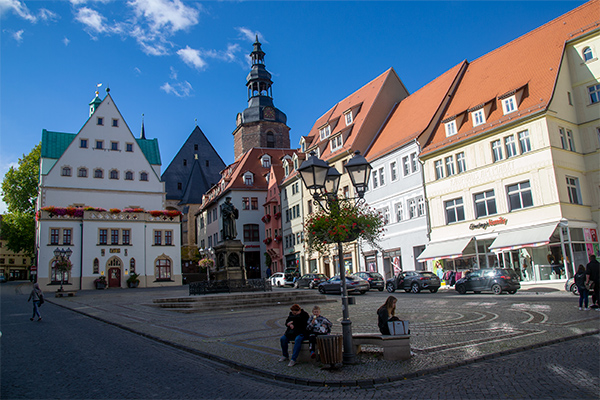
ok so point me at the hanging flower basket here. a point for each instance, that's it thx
(266, 218)
(277, 215)
(267, 240)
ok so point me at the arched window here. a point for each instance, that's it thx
(82, 172)
(163, 269)
(587, 54)
(114, 174)
(132, 265)
(128, 176)
(143, 176)
(66, 171)
(57, 276)
(98, 173)
(270, 140)
(96, 269)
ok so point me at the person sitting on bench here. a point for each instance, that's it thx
(317, 325)
(386, 313)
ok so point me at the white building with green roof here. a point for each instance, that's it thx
(101, 197)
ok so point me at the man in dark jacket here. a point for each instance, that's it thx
(296, 330)
(592, 271)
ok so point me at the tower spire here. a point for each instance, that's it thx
(143, 135)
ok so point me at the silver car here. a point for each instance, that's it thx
(354, 284)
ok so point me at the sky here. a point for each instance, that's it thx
(176, 64)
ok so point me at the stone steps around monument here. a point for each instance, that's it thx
(236, 301)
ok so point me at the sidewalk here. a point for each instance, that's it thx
(447, 330)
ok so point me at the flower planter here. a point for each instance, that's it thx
(100, 285)
(133, 284)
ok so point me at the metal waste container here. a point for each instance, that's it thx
(330, 349)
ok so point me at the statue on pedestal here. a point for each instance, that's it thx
(229, 214)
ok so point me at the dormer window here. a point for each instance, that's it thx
(295, 162)
(324, 132)
(478, 117)
(509, 104)
(303, 145)
(450, 128)
(266, 161)
(286, 168)
(248, 179)
(348, 116)
(588, 55)
(336, 143)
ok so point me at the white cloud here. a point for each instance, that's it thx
(137, 71)
(173, 74)
(91, 19)
(18, 7)
(80, 2)
(18, 35)
(181, 89)
(66, 41)
(250, 35)
(164, 14)
(192, 57)
(47, 15)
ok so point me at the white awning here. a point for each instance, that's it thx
(528, 237)
(447, 249)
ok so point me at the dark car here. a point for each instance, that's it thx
(354, 284)
(414, 281)
(310, 281)
(374, 278)
(497, 280)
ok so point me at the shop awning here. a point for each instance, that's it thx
(447, 249)
(529, 237)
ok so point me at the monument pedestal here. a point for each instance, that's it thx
(230, 256)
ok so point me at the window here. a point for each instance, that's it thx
(54, 233)
(115, 123)
(98, 173)
(449, 166)
(99, 144)
(215, 216)
(524, 143)
(405, 165)
(594, 92)
(587, 54)
(195, 147)
(346, 192)
(126, 237)
(210, 243)
(511, 146)
(286, 168)
(381, 177)
(128, 176)
(96, 266)
(270, 140)
(132, 265)
(461, 164)
(439, 169)
(485, 204)
(413, 162)
(114, 146)
(385, 213)
(454, 210)
(114, 174)
(129, 147)
(66, 171)
(168, 238)
(497, 150)
(336, 143)
(421, 206)
(83, 143)
(266, 162)
(251, 233)
(245, 203)
(450, 128)
(248, 179)
(184, 162)
(102, 236)
(254, 203)
(143, 176)
(100, 121)
(114, 236)
(566, 139)
(399, 212)
(570, 140)
(509, 104)
(573, 189)
(67, 235)
(82, 172)
(348, 116)
(375, 182)
(519, 196)
(393, 173)
(163, 269)
(324, 132)
(157, 238)
(478, 117)
(570, 98)
(413, 211)
(202, 223)
(215, 238)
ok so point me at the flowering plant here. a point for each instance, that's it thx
(266, 218)
(114, 211)
(206, 263)
(344, 222)
(277, 215)
(267, 240)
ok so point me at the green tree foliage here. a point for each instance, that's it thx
(19, 192)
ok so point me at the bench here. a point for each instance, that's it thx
(394, 347)
(63, 293)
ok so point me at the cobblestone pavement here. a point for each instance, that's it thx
(448, 330)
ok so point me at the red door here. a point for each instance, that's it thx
(114, 277)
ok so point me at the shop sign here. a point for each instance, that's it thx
(488, 223)
(115, 250)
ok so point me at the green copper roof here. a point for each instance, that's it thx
(54, 144)
(150, 149)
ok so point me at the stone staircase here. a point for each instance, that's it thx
(237, 301)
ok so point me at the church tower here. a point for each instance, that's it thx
(261, 124)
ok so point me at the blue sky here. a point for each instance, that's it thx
(182, 63)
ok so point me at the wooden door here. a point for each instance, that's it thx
(114, 277)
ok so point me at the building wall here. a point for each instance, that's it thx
(251, 135)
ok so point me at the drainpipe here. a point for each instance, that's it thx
(81, 258)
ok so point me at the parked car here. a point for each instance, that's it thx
(290, 274)
(310, 281)
(570, 286)
(497, 280)
(354, 284)
(414, 281)
(374, 278)
(277, 279)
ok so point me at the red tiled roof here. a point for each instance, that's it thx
(531, 62)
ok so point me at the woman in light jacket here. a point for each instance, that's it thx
(37, 296)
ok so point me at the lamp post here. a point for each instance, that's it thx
(323, 181)
(207, 253)
(63, 255)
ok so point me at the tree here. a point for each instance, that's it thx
(19, 192)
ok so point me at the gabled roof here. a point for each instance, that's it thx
(195, 185)
(54, 144)
(414, 114)
(386, 88)
(150, 149)
(528, 65)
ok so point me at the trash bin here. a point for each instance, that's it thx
(330, 349)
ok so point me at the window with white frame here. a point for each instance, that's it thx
(399, 211)
(594, 92)
(497, 150)
(348, 116)
(286, 168)
(485, 204)
(519, 196)
(439, 169)
(450, 166)
(478, 117)
(336, 143)
(266, 161)
(461, 164)
(414, 162)
(566, 139)
(509, 104)
(405, 165)
(570, 140)
(385, 213)
(510, 146)
(375, 174)
(587, 54)
(573, 189)
(248, 179)
(413, 210)
(66, 171)
(524, 143)
(381, 177)
(393, 172)
(324, 132)
(455, 210)
(421, 206)
(450, 128)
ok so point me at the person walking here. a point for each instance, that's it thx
(317, 325)
(592, 272)
(386, 313)
(580, 278)
(296, 330)
(38, 299)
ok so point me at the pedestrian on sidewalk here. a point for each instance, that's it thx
(317, 325)
(592, 271)
(386, 313)
(580, 278)
(296, 331)
(38, 299)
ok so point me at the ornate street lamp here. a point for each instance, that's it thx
(63, 256)
(323, 183)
